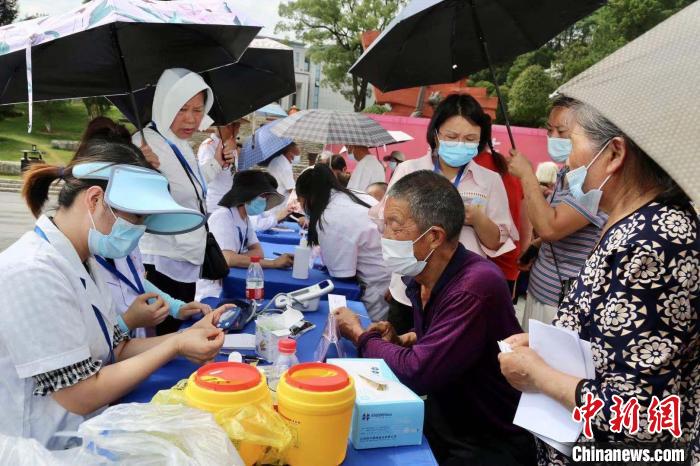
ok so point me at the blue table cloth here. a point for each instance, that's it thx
(276, 236)
(281, 281)
(181, 368)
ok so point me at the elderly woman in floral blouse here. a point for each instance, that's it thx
(637, 298)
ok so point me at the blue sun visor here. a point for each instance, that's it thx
(141, 191)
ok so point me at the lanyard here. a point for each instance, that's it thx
(136, 285)
(458, 178)
(183, 161)
(98, 313)
(242, 240)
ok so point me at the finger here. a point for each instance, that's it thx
(146, 296)
(157, 304)
(205, 309)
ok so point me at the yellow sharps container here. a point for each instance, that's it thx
(317, 400)
(223, 385)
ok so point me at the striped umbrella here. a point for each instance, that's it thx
(331, 127)
(262, 145)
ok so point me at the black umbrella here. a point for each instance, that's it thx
(442, 41)
(263, 75)
(112, 47)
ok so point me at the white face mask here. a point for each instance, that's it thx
(399, 257)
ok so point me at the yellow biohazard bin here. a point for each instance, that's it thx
(224, 385)
(316, 400)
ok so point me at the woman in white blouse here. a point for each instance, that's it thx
(180, 106)
(350, 241)
(460, 130)
(62, 355)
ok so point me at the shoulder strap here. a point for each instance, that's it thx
(188, 169)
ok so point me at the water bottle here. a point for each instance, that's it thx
(286, 358)
(255, 281)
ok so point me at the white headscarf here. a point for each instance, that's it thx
(175, 87)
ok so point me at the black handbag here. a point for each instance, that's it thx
(214, 266)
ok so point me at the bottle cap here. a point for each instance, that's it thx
(255, 260)
(287, 345)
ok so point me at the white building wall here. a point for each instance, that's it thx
(311, 90)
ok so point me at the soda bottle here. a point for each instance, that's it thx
(255, 281)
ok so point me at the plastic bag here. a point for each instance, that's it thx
(260, 425)
(253, 424)
(137, 433)
(19, 451)
(172, 396)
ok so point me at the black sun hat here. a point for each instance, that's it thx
(249, 184)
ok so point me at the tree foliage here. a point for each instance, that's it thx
(571, 52)
(8, 11)
(96, 106)
(332, 30)
(528, 98)
(48, 111)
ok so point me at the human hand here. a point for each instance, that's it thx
(150, 156)
(518, 164)
(225, 153)
(303, 222)
(141, 314)
(199, 345)
(521, 368)
(283, 262)
(211, 319)
(518, 339)
(387, 331)
(282, 213)
(472, 214)
(348, 324)
(190, 309)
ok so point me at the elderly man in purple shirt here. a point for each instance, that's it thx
(461, 308)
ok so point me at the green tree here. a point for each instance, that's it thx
(96, 106)
(48, 111)
(528, 99)
(332, 29)
(378, 109)
(8, 11)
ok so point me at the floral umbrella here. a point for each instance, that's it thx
(115, 47)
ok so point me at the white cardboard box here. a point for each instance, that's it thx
(382, 418)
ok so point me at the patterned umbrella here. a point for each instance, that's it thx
(331, 127)
(261, 146)
(116, 47)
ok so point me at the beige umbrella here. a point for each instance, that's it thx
(650, 89)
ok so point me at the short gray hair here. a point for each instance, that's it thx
(641, 168)
(432, 201)
(324, 156)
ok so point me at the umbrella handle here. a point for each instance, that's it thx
(127, 81)
(485, 51)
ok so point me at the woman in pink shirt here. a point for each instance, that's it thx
(458, 132)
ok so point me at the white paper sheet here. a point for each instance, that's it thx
(244, 341)
(564, 351)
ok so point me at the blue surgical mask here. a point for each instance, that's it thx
(399, 256)
(256, 206)
(351, 156)
(121, 240)
(590, 200)
(559, 149)
(393, 165)
(297, 159)
(457, 154)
